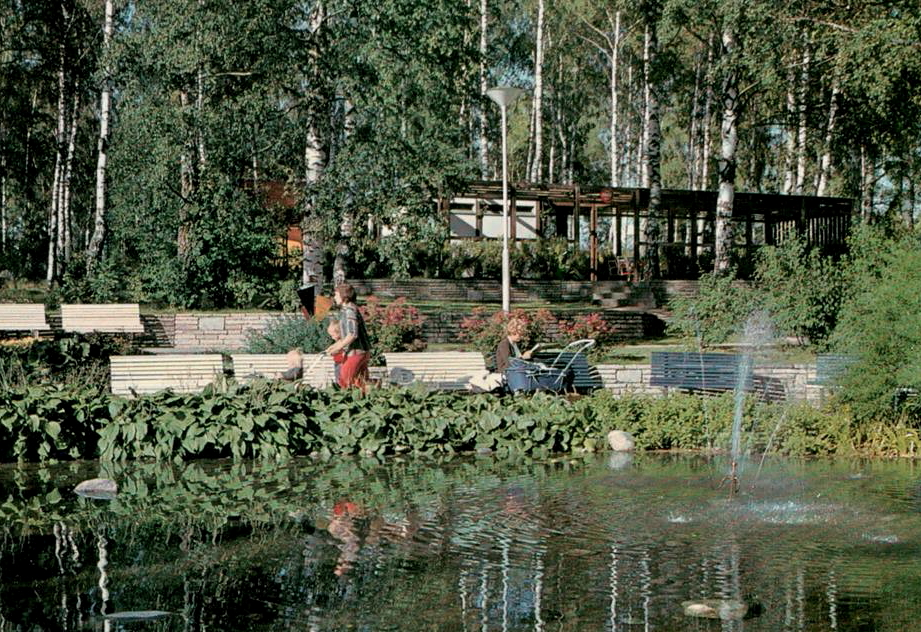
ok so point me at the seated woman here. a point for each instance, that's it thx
(515, 329)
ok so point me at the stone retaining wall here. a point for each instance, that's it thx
(634, 378)
(220, 332)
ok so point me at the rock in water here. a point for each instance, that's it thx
(137, 615)
(97, 488)
(725, 609)
(620, 441)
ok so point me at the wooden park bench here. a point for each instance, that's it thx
(441, 370)
(829, 367)
(23, 317)
(693, 371)
(122, 318)
(182, 373)
(319, 371)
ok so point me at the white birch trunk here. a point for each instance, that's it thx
(314, 167)
(693, 166)
(789, 160)
(727, 169)
(653, 229)
(340, 263)
(867, 183)
(64, 229)
(536, 174)
(54, 226)
(801, 122)
(825, 162)
(99, 216)
(706, 149)
(484, 145)
(3, 198)
(615, 104)
(644, 142)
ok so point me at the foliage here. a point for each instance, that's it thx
(394, 327)
(554, 258)
(287, 333)
(76, 359)
(800, 288)
(486, 330)
(716, 313)
(276, 420)
(591, 325)
(879, 325)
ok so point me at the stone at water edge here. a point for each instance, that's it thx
(621, 441)
(725, 609)
(137, 615)
(97, 488)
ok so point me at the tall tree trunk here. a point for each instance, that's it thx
(789, 180)
(867, 183)
(66, 223)
(99, 216)
(314, 165)
(801, 123)
(483, 145)
(644, 142)
(706, 149)
(3, 180)
(536, 173)
(825, 162)
(340, 263)
(727, 167)
(188, 184)
(615, 104)
(693, 133)
(653, 232)
(54, 221)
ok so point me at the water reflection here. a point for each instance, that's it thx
(468, 544)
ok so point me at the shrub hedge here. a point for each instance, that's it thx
(268, 420)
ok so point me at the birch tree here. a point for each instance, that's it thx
(535, 173)
(99, 218)
(652, 233)
(728, 142)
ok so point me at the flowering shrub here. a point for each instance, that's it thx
(394, 327)
(588, 326)
(485, 330)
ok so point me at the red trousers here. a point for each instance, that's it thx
(354, 371)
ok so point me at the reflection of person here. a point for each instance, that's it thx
(342, 527)
(508, 346)
(354, 340)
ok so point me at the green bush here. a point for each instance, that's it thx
(287, 333)
(393, 327)
(878, 324)
(277, 420)
(716, 313)
(800, 288)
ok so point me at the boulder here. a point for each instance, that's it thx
(621, 441)
(103, 488)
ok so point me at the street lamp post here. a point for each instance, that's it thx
(504, 96)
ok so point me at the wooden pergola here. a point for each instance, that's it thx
(687, 219)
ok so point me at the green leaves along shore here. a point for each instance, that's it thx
(266, 420)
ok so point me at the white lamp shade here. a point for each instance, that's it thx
(504, 96)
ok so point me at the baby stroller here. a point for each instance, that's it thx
(555, 377)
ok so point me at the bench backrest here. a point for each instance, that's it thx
(585, 376)
(183, 373)
(107, 318)
(23, 317)
(318, 371)
(696, 371)
(830, 366)
(447, 370)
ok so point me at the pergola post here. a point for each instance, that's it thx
(576, 211)
(593, 243)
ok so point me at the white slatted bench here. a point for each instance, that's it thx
(444, 370)
(23, 317)
(319, 371)
(183, 373)
(106, 318)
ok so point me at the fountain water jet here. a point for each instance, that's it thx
(757, 333)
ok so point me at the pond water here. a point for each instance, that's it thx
(612, 542)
